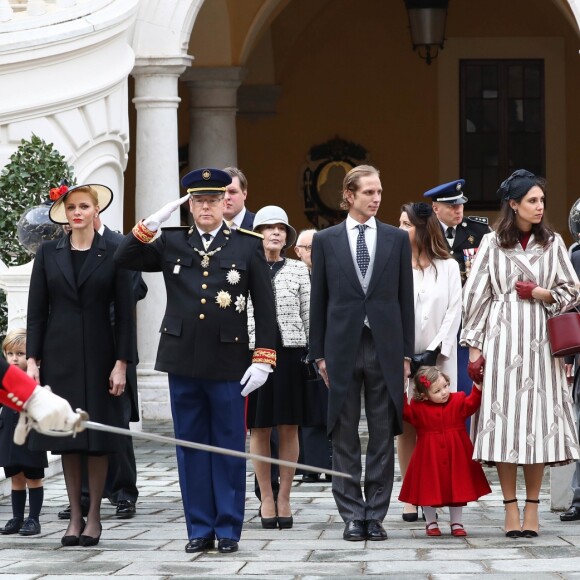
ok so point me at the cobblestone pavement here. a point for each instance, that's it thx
(151, 545)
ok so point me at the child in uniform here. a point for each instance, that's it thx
(441, 471)
(24, 467)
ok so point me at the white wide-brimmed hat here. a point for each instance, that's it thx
(272, 214)
(57, 211)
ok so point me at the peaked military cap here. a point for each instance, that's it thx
(206, 181)
(451, 193)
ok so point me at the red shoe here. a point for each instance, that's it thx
(458, 531)
(432, 529)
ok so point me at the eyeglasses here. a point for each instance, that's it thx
(212, 201)
(307, 248)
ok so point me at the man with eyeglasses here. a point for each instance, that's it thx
(209, 271)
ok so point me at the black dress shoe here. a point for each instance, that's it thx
(311, 478)
(375, 530)
(68, 541)
(30, 527)
(87, 541)
(65, 513)
(226, 546)
(12, 526)
(571, 515)
(199, 545)
(411, 516)
(354, 531)
(125, 508)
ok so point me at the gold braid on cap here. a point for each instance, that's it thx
(193, 189)
(143, 233)
(264, 355)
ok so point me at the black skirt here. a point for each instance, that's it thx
(281, 399)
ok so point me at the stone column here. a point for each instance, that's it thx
(212, 113)
(157, 183)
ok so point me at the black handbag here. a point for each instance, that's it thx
(424, 359)
(309, 369)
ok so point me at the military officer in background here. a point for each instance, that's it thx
(463, 234)
(209, 270)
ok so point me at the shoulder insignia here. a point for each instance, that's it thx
(478, 219)
(249, 232)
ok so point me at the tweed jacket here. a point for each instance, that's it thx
(292, 293)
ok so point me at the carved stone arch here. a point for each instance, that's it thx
(164, 28)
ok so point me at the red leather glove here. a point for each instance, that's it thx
(475, 369)
(524, 289)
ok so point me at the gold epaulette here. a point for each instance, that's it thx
(250, 232)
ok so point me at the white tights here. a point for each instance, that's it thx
(455, 514)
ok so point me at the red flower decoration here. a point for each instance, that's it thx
(425, 382)
(58, 192)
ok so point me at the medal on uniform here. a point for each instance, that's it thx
(471, 239)
(469, 256)
(233, 277)
(176, 268)
(240, 303)
(223, 299)
(205, 256)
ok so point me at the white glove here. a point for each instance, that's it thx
(255, 377)
(47, 412)
(162, 215)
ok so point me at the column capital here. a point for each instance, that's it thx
(211, 77)
(162, 65)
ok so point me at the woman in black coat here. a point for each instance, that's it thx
(72, 345)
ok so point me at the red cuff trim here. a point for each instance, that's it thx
(143, 233)
(19, 387)
(264, 355)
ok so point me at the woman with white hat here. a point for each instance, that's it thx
(280, 401)
(84, 355)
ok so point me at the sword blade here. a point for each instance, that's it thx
(203, 447)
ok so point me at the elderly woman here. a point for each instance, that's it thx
(521, 274)
(73, 285)
(437, 288)
(280, 401)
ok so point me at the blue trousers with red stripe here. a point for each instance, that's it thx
(213, 487)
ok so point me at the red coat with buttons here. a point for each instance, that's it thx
(441, 471)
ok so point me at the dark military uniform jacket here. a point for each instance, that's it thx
(204, 333)
(468, 236)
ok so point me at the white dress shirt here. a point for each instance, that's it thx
(370, 236)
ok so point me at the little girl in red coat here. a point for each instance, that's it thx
(441, 471)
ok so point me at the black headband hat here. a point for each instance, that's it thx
(422, 210)
(516, 185)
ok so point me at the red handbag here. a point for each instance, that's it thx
(564, 333)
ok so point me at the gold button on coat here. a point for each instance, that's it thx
(201, 316)
(203, 300)
(204, 286)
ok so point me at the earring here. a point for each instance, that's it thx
(515, 210)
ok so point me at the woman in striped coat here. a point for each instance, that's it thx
(521, 275)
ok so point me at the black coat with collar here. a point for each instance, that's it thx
(248, 221)
(200, 338)
(69, 332)
(139, 292)
(338, 306)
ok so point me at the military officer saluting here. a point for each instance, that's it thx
(462, 234)
(209, 270)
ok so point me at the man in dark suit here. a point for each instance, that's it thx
(362, 337)
(209, 272)
(235, 212)
(463, 234)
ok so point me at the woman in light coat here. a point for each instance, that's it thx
(437, 289)
(521, 274)
(280, 402)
